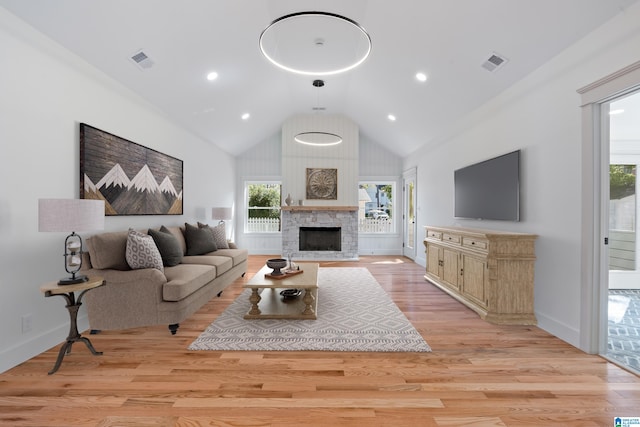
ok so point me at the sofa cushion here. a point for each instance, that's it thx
(199, 240)
(168, 245)
(219, 234)
(142, 252)
(221, 263)
(185, 279)
(237, 255)
(107, 250)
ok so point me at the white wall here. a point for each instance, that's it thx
(379, 164)
(541, 116)
(263, 162)
(45, 93)
(297, 158)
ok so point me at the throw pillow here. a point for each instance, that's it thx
(219, 234)
(199, 240)
(142, 252)
(168, 245)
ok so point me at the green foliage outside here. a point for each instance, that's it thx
(264, 196)
(622, 181)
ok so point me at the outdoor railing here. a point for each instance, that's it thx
(263, 225)
(365, 225)
(373, 225)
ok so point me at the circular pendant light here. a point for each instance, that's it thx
(319, 139)
(315, 43)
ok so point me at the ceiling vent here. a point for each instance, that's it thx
(494, 62)
(142, 60)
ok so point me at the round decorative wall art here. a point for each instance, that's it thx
(322, 184)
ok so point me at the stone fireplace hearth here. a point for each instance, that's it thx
(344, 218)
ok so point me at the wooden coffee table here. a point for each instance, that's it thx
(267, 303)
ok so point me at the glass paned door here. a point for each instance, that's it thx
(622, 119)
(621, 324)
(409, 213)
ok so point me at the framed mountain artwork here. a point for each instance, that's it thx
(130, 178)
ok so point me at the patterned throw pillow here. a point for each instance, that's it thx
(142, 251)
(199, 240)
(219, 234)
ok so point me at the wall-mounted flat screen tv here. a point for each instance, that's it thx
(489, 189)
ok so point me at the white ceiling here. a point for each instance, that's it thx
(447, 40)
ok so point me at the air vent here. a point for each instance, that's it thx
(494, 62)
(142, 60)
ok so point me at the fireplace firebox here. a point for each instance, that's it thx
(320, 239)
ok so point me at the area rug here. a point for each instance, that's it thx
(354, 314)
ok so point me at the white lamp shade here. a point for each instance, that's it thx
(70, 215)
(221, 213)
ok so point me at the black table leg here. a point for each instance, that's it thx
(74, 336)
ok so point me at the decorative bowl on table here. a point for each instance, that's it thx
(276, 264)
(289, 294)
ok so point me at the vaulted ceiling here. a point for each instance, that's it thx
(446, 40)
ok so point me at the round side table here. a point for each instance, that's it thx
(73, 305)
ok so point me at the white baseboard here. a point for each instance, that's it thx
(390, 252)
(559, 329)
(39, 343)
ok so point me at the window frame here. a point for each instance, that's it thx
(246, 207)
(392, 211)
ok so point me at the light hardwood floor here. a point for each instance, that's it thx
(478, 374)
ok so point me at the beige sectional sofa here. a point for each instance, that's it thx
(150, 296)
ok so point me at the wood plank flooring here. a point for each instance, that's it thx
(478, 374)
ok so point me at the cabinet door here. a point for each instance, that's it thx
(474, 279)
(433, 260)
(450, 267)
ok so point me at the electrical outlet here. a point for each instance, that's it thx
(27, 323)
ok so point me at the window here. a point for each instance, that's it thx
(376, 207)
(263, 201)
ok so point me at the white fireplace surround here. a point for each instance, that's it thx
(345, 217)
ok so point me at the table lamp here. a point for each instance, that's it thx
(71, 215)
(222, 214)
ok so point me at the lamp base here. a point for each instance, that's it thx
(73, 280)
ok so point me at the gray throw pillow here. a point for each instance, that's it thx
(168, 245)
(142, 252)
(199, 240)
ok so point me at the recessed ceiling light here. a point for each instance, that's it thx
(246, 116)
(391, 117)
(212, 76)
(614, 112)
(422, 77)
